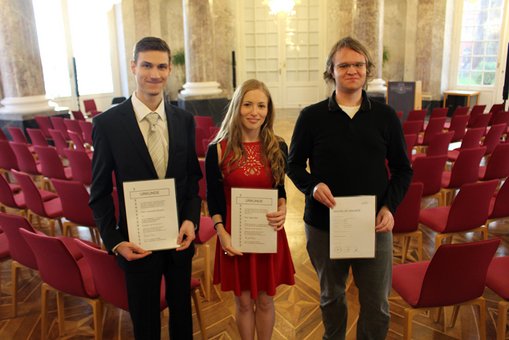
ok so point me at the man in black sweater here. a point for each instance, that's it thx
(347, 140)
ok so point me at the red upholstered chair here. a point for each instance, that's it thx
(25, 158)
(10, 199)
(109, 280)
(406, 220)
(417, 115)
(493, 137)
(435, 126)
(72, 125)
(4, 250)
(58, 124)
(86, 128)
(497, 280)
(44, 124)
(410, 141)
(17, 134)
(438, 146)
(51, 164)
(60, 142)
(79, 143)
(464, 170)
(78, 115)
(204, 122)
(467, 213)
(458, 125)
(455, 276)
(21, 254)
(499, 204)
(497, 107)
(428, 171)
(63, 269)
(460, 111)
(497, 165)
(74, 197)
(37, 137)
(481, 121)
(39, 202)
(500, 117)
(81, 166)
(89, 105)
(412, 127)
(471, 139)
(476, 111)
(439, 112)
(8, 159)
(199, 137)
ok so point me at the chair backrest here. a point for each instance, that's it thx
(78, 115)
(77, 140)
(410, 140)
(2, 135)
(44, 124)
(74, 197)
(435, 125)
(472, 138)
(109, 278)
(428, 171)
(460, 111)
(37, 137)
(72, 125)
(466, 167)
(81, 166)
(58, 124)
(500, 117)
(470, 208)
(497, 166)
(439, 112)
(200, 136)
(26, 160)
(493, 137)
(497, 107)
(19, 249)
(458, 125)
(117, 100)
(406, 218)
(59, 141)
(32, 195)
(86, 128)
(17, 134)
(57, 265)
(412, 127)
(501, 205)
(456, 273)
(51, 165)
(89, 105)
(8, 159)
(439, 145)
(480, 121)
(497, 278)
(6, 194)
(477, 110)
(417, 115)
(204, 122)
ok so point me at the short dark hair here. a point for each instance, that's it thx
(150, 44)
(353, 44)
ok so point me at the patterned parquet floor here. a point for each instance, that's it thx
(297, 309)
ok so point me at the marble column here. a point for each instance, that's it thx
(202, 94)
(367, 26)
(21, 78)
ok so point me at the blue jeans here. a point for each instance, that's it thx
(372, 278)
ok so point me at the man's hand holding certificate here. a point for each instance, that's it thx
(250, 230)
(151, 210)
(352, 227)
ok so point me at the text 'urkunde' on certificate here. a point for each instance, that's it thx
(250, 230)
(151, 210)
(352, 227)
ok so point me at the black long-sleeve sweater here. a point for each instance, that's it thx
(349, 155)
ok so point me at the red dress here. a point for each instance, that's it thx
(253, 272)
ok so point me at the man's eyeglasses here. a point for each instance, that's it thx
(345, 66)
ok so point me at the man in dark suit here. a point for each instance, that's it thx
(121, 137)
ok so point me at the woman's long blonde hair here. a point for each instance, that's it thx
(231, 131)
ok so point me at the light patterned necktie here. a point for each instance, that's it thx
(155, 145)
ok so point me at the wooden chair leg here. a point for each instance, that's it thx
(481, 302)
(44, 310)
(409, 316)
(454, 316)
(502, 319)
(404, 248)
(419, 246)
(14, 275)
(97, 311)
(199, 316)
(60, 313)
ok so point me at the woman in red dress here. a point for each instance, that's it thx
(247, 154)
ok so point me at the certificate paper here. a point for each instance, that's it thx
(352, 227)
(251, 232)
(151, 209)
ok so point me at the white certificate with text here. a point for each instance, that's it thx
(151, 210)
(250, 230)
(352, 227)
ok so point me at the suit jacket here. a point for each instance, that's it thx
(119, 147)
